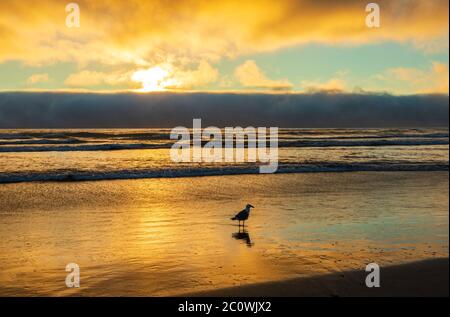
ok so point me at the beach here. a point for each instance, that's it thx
(428, 278)
(174, 236)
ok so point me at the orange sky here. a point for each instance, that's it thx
(158, 45)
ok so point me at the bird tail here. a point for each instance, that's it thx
(234, 218)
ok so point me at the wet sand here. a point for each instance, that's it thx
(427, 278)
(164, 237)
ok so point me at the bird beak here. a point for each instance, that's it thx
(252, 206)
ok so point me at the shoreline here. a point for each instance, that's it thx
(426, 278)
(70, 178)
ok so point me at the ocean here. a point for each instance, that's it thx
(64, 155)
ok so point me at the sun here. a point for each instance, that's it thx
(152, 79)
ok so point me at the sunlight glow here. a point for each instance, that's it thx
(152, 79)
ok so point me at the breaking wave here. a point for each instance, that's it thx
(210, 171)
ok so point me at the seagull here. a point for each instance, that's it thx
(243, 215)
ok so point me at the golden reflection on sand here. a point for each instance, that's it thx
(172, 236)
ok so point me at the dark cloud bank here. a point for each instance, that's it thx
(77, 110)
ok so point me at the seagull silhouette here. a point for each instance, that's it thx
(243, 215)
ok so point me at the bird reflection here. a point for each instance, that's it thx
(242, 234)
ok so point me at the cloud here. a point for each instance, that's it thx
(147, 33)
(203, 75)
(38, 78)
(331, 85)
(433, 80)
(251, 76)
(87, 78)
(167, 76)
(69, 110)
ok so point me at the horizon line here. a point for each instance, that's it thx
(218, 92)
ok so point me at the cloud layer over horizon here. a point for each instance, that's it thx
(318, 110)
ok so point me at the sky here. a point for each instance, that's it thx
(284, 46)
